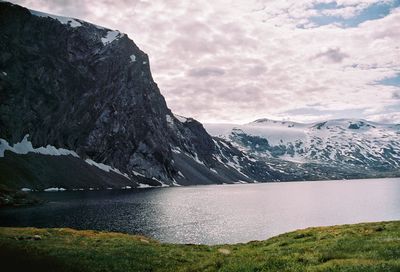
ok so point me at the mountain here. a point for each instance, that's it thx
(334, 149)
(79, 109)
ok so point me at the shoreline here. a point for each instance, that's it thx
(128, 188)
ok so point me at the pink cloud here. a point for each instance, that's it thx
(237, 61)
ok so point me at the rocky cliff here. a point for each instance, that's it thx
(74, 95)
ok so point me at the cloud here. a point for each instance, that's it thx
(236, 61)
(206, 72)
(333, 55)
(388, 118)
(345, 12)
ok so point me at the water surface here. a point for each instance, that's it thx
(218, 213)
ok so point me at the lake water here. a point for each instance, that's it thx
(216, 214)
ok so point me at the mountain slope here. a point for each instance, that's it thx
(84, 94)
(344, 148)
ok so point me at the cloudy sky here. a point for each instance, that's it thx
(236, 61)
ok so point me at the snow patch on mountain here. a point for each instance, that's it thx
(105, 167)
(138, 174)
(169, 119)
(25, 146)
(351, 141)
(111, 36)
(180, 118)
(64, 20)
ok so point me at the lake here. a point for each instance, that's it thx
(216, 214)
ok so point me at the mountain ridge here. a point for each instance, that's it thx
(342, 143)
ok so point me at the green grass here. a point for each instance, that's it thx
(361, 247)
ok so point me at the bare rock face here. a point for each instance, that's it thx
(81, 87)
(66, 87)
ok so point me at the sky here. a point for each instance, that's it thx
(222, 61)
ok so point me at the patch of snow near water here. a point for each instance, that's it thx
(26, 190)
(240, 182)
(143, 186)
(175, 183)
(162, 183)
(64, 20)
(54, 189)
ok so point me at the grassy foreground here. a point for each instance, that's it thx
(361, 247)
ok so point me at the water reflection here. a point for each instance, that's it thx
(216, 214)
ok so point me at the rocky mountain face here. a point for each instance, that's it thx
(334, 149)
(79, 109)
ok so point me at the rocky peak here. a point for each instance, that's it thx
(75, 86)
(84, 88)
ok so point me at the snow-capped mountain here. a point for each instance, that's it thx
(346, 145)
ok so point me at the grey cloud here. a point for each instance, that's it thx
(194, 28)
(256, 70)
(206, 72)
(333, 54)
(217, 61)
(349, 113)
(187, 46)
